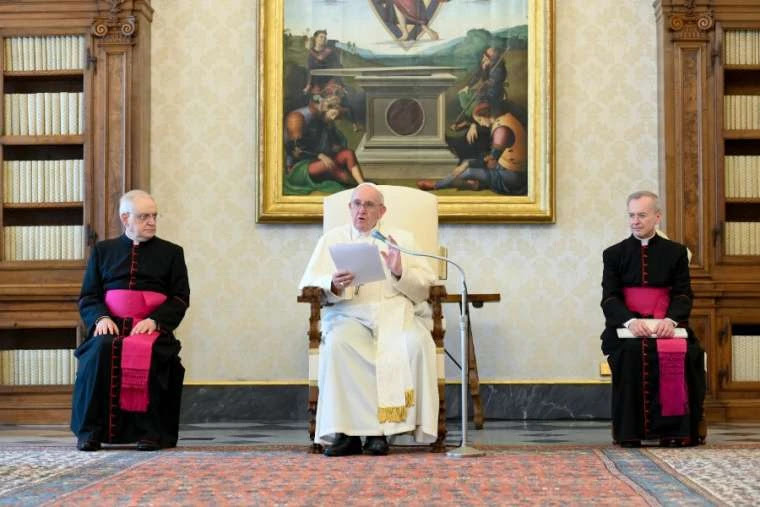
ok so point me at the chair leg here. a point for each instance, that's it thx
(313, 397)
(313, 296)
(474, 381)
(440, 443)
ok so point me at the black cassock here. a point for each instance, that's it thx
(154, 265)
(636, 407)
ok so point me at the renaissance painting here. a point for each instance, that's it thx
(452, 97)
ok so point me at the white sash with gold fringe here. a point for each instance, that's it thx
(395, 392)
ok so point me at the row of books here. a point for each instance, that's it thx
(43, 114)
(43, 242)
(742, 176)
(745, 358)
(742, 47)
(742, 238)
(43, 181)
(51, 52)
(741, 112)
(37, 367)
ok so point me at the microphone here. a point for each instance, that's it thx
(463, 450)
(382, 237)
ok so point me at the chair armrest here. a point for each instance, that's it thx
(313, 296)
(436, 299)
(310, 294)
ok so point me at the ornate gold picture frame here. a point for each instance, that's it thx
(403, 101)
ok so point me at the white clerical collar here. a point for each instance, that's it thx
(132, 240)
(645, 241)
(357, 234)
(136, 241)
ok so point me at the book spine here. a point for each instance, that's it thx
(55, 114)
(47, 109)
(38, 63)
(6, 181)
(6, 245)
(7, 54)
(16, 196)
(15, 114)
(28, 50)
(6, 358)
(80, 180)
(31, 113)
(73, 99)
(7, 115)
(39, 176)
(67, 52)
(63, 97)
(15, 53)
(23, 103)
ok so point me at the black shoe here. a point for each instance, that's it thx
(88, 445)
(376, 446)
(147, 445)
(676, 442)
(344, 445)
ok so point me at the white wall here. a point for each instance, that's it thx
(244, 323)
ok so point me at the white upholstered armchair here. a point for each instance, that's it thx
(409, 209)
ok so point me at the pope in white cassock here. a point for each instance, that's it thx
(377, 369)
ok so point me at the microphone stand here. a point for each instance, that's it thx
(463, 451)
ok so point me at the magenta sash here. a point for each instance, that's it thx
(671, 356)
(671, 352)
(647, 301)
(136, 349)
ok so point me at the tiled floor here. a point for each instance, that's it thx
(294, 432)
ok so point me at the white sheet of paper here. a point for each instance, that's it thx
(362, 259)
(623, 332)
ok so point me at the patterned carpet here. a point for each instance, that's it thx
(287, 475)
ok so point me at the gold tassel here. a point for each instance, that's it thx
(396, 414)
(409, 397)
(391, 414)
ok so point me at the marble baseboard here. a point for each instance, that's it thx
(500, 401)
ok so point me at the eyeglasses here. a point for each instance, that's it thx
(368, 205)
(143, 217)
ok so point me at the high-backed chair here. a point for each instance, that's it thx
(409, 209)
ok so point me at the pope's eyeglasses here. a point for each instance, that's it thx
(368, 205)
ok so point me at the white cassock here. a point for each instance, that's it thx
(377, 363)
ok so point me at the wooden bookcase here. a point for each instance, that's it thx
(63, 173)
(709, 76)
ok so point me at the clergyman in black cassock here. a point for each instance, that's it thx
(135, 264)
(646, 259)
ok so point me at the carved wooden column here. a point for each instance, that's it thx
(121, 114)
(687, 138)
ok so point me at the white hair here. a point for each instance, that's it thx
(645, 193)
(367, 184)
(127, 201)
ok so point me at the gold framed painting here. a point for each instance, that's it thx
(454, 97)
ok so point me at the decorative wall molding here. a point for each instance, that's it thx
(115, 27)
(690, 23)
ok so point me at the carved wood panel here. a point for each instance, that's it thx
(690, 99)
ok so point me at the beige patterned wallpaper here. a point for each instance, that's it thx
(244, 323)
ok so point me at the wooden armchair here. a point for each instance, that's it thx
(417, 212)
